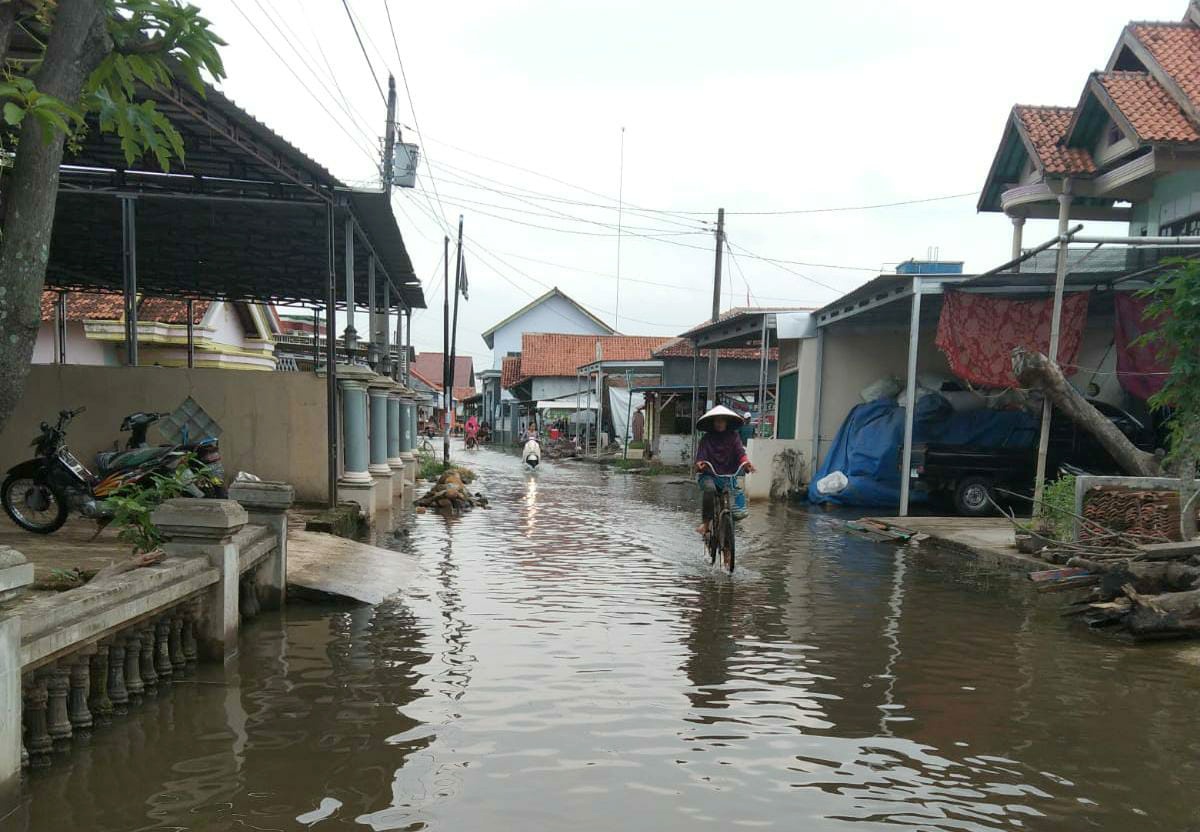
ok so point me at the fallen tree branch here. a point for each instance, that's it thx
(1033, 369)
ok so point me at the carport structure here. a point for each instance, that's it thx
(888, 325)
(754, 328)
(245, 216)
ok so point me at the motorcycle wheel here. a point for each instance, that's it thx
(16, 493)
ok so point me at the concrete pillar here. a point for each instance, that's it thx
(267, 504)
(355, 485)
(408, 440)
(380, 469)
(15, 575)
(395, 461)
(196, 528)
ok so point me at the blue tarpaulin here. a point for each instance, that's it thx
(869, 444)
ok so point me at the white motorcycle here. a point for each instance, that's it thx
(532, 454)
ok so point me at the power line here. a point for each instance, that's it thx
(541, 196)
(560, 215)
(293, 40)
(837, 209)
(676, 286)
(569, 230)
(366, 57)
(683, 213)
(534, 200)
(412, 108)
(307, 88)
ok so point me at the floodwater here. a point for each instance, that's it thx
(570, 662)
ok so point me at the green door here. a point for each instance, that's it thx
(785, 406)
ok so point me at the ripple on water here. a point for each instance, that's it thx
(573, 663)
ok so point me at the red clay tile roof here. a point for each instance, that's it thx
(1045, 127)
(169, 311)
(1176, 48)
(97, 306)
(554, 354)
(1148, 107)
(510, 371)
(463, 393)
(430, 365)
(92, 306)
(419, 376)
(682, 348)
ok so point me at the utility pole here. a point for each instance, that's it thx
(458, 270)
(389, 138)
(445, 349)
(389, 174)
(716, 308)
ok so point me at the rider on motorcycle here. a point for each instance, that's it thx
(472, 430)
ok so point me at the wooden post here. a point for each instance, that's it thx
(1060, 280)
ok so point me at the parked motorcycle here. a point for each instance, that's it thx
(139, 452)
(38, 493)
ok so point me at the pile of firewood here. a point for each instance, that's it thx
(449, 495)
(1152, 592)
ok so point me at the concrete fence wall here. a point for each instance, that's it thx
(273, 423)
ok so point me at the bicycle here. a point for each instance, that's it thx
(720, 535)
(425, 446)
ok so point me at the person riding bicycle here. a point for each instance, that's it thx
(720, 454)
(472, 428)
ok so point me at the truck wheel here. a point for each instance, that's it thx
(973, 497)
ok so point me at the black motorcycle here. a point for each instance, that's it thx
(39, 493)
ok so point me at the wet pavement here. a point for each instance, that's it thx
(570, 662)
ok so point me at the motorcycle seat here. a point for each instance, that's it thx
(108, 461)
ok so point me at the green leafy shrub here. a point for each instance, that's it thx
(133, 503)
(1056, 515)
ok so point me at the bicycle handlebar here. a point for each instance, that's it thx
(714, 471)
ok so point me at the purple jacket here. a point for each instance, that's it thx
(723, 450)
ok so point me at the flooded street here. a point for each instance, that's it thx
(570, 662)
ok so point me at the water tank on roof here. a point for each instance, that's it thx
(930, 267)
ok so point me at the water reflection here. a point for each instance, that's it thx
(572, 662)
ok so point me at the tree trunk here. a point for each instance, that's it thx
(78, 41)
(1033, 369)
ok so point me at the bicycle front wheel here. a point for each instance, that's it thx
(725, 538)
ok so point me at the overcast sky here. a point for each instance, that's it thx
(753, 106)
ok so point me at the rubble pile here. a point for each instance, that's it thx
(450, 495)
(561, 448)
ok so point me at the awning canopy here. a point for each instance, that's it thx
(244, 216)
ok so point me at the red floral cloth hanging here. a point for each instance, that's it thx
(977, 333)
(1139, 369)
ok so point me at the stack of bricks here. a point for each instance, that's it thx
(1149, 514)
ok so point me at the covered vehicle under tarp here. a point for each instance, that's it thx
(868, 445)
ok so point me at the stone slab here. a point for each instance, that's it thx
(348, 568)
(263, 495)
(988, 540)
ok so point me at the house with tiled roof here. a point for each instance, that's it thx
(430, 367)
(1128, 150)
(553, 311)
(89, 328)
(549, 365)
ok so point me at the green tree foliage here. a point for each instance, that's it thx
(1174, 302)
(66, 67)
(152, 44)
